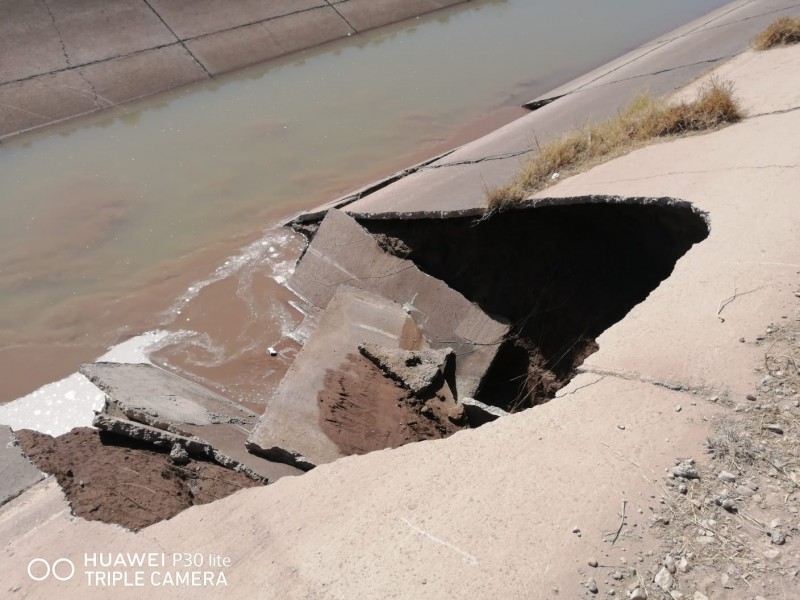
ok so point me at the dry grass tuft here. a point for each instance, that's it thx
(783, 32)
(643, 120)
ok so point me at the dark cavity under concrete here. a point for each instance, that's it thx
(561, 271)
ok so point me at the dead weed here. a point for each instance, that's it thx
(783, 32)
(643, 120)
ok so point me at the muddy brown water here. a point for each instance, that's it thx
(161, 213)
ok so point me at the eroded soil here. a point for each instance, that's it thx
(116, 480)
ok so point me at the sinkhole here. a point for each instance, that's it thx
(561, 271)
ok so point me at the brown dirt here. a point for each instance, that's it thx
(361, 410)
(115, 480)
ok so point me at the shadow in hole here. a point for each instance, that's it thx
(561, 273)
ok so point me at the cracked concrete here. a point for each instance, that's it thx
(122, 50)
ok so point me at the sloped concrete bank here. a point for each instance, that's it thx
(62, 60)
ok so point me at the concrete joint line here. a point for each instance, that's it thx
(235, 27)
(89, 64)
(750, 18)
(659, 44)
(66, 54)
(773, 112)
(336, 10)
(670, 385)
(587, 87)
(180, 41)
(578, 389)
(474, 161)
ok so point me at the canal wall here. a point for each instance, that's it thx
(62, 60)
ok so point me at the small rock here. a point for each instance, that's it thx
(777, 536)
(593, 563)
(616, 576)
(699, 596)
(678, 408)
(676, 595)
(591, 585)
(271, 351)
(727, 504)
(745, 491)
(725, 580)
(576, 529)
(771, 554)
(686, 469)
(683, 565)
(663, 579)
(669, 564)
(621, 426)
(683, 489)
(751, 397)
(726, 476)
(638, 594)
(774, 428)
(178, 455)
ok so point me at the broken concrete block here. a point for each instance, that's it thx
(164, 439)
(150, 395)
(418, 371)
(479, 413)
(290, 430)
(17, 473)
(343, 252)
(142, 393)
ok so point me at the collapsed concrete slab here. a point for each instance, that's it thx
(343, 252)
(159, 438)
(17, 473)
(331, 388)
(150, 395)
(152, 405)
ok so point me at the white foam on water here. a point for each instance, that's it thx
(260, 256)
(58, 407)
(134, 350)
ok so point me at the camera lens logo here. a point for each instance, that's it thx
(62, 569)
